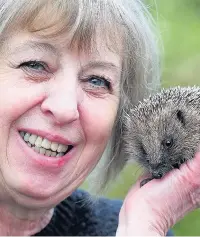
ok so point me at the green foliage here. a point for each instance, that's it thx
(179, 22)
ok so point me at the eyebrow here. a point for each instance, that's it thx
(101, 65)
(40, 46)
(44, 46)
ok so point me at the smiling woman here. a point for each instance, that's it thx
(69, 71)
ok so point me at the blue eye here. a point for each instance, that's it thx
(37, 71)
(34, 65)
(99, 81)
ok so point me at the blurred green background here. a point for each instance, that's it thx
(179, 23)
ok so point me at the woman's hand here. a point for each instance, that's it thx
(159, 204)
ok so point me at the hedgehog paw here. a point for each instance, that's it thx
(143, 182)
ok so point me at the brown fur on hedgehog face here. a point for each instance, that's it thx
(164, 139)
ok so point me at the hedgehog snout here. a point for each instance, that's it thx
(157, 170)
(155, 166)
(157, 174)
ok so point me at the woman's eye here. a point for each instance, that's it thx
(98, 81)
(34, 65)
(97, 85)
(37, 71)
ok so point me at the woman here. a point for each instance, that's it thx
(65, 67)
(69, 71)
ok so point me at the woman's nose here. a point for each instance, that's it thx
(61, 104)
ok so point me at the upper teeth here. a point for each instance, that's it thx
(43, 142)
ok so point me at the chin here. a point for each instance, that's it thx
(30, 192)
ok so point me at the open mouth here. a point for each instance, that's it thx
(44, 146)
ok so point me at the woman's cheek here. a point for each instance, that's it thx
(18, 98)
(98, 116)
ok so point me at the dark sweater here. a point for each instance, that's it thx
(77, 216)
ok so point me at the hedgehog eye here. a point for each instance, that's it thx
(168, 143)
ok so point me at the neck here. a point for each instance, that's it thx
(20, 221)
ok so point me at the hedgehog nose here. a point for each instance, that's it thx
(156, 175)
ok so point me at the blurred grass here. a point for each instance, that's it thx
(179, 23)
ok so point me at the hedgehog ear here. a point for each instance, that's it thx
(180, 116)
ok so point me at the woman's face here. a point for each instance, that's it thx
(64, 104)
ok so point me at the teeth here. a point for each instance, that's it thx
(53, 153)
(46, 144)
(38, 141)
(60, 154)
(32, 139)
(22, 134)
(62, 148)
(26, 137)
(54, 146)
(42, 151)
(48, 153)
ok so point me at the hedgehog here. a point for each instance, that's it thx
(163, 131)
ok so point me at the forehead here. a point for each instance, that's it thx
(28, 43)
(58, 33)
